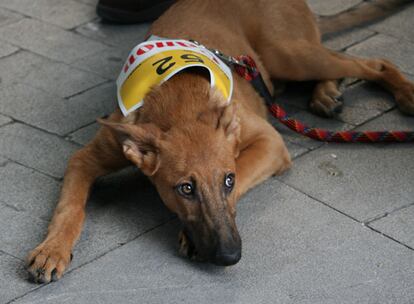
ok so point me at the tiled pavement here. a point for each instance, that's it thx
(338, 228)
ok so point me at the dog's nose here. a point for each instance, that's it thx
(227, 259)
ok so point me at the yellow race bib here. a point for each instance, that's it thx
(155, 61)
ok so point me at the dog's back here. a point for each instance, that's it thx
(210, 20)
(228, 24)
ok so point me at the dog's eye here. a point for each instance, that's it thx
(186, 189)
(229, 181)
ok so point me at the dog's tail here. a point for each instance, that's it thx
(366, 12)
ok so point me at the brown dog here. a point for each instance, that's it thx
(202, 154)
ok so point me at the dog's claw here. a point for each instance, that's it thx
(339, 104)
(54, 275)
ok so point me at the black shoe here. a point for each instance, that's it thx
(131, 11)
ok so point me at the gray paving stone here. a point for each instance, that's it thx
(23, 232)
(363, 181)
(26, 190)
(4, 120)
(7, 17)
(397, 50)
(97, 102)
(346, 39)
(125, 36)
(54, 114)
(121, 207)
(89, 2)
(49, 112)
(14, 63)
(64, 13)
(107, 63)
(50, 76)
(7, 49)
(322, 7)
(393, 120)
(364, 101)
(61, 79)
(3, 161)
(399, 25)
(295, 150)
(398, 225)
(12, 279)
(290, 255)
(84, 135)
(357, 115)
(35, 149)
(50, 41)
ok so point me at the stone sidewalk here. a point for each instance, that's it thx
(338, 228)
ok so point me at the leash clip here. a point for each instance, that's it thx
(232, 61)
(229, 60)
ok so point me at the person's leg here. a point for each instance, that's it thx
(131, 11)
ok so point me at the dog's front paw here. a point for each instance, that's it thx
(405, 98)
(186, 246)
(47, 262)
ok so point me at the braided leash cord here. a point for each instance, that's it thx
(248, 70)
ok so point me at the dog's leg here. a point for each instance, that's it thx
(102, 156)
(306, 61)
(263, 155)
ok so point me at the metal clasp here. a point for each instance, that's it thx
(229, 60)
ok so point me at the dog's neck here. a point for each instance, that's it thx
(184, 99)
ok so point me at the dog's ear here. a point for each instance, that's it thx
(230, 123)
(140, 144)
(228, 119)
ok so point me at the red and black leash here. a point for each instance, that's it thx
(246, 68)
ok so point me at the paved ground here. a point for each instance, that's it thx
(338, 228)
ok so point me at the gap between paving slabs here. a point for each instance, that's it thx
(110, 201)
(368, 224)
(91, 261)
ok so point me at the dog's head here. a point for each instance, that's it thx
(186, 142)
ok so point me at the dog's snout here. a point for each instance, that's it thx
(228, 252)
(227, 258)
